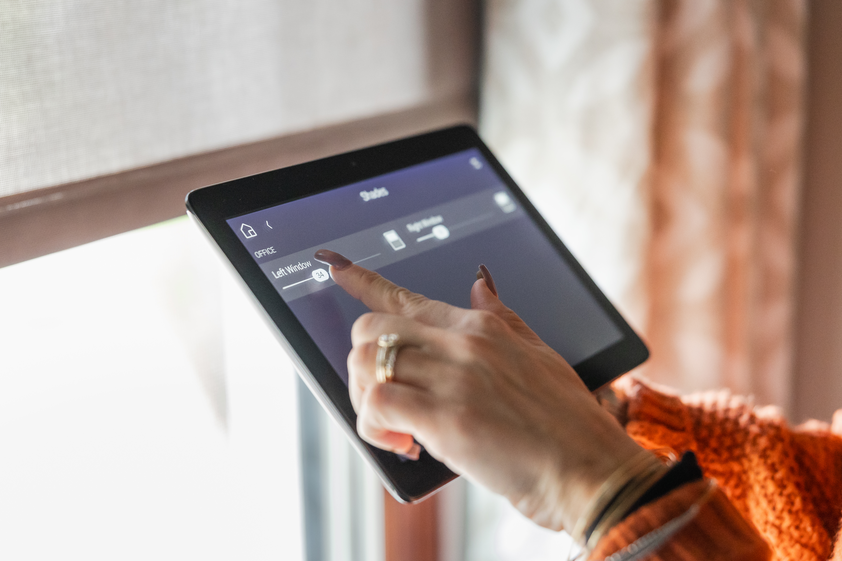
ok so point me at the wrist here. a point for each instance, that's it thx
(603, 480)
(686, 470)
(579, 480)
(640, 480)
(558, 495)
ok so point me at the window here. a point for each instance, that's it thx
(140, 417)
(122, 434)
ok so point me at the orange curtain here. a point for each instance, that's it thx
(724, 192)
(662, 140)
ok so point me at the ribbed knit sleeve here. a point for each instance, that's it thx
(716, 532)
(787, 483)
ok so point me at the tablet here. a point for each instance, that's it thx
(424, 212)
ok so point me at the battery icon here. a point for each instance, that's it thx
(394, 240)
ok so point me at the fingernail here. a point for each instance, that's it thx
(414, 453)
(489, 282)
(332, 258)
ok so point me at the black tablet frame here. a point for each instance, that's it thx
(212, 206)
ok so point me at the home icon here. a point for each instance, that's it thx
(248, 231)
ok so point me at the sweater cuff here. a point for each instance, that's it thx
(717, 531)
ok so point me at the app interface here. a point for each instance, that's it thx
(426, 227)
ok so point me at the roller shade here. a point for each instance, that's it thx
(92, 88)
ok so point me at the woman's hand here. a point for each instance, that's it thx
(483, 394)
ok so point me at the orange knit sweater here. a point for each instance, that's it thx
(779, 490)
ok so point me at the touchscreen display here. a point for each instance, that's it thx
(426, 227)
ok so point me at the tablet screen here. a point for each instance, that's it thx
(426, 227)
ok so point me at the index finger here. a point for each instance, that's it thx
(381, 295)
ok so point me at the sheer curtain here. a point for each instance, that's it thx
(662, 140)
(566, 103)
(724, 192)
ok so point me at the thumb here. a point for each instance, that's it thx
(482, 298)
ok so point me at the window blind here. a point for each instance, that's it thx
(93, 88)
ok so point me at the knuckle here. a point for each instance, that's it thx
(377, 399)
(363, 327)
(473, 346)
(368, 278)
(407, 301)
(486, 322)
(365, 417)
(365, 428)
(359, 359)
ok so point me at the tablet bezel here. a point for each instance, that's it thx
(212, 206)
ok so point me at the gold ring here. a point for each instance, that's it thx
(387, 353)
